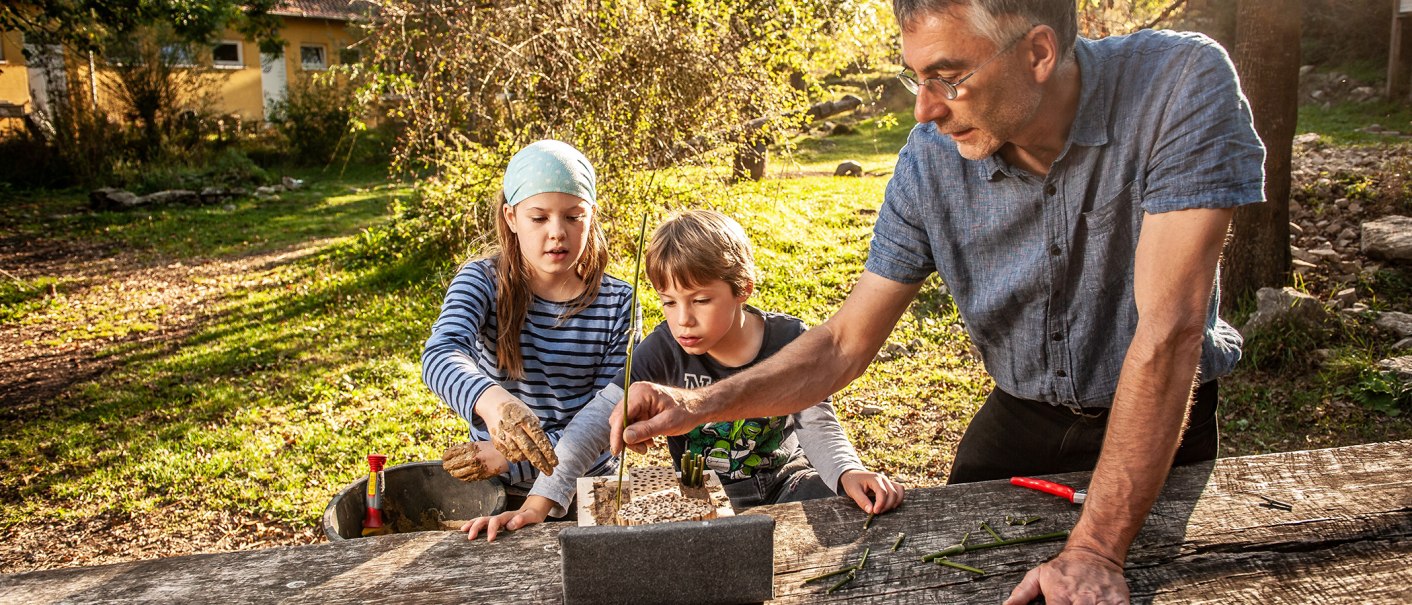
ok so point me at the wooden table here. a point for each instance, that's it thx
(1347, 539)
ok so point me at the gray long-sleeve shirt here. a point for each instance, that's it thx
(733, 449)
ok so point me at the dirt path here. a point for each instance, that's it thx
(110, 297)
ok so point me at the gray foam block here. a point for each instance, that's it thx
(728, 560)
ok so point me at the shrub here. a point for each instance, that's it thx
(636, 85)
(315, 117)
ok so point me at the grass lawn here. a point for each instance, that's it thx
(265, 359)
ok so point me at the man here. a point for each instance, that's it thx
(1074, 195)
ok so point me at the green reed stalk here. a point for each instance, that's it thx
(627, 371)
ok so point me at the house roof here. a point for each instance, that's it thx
(338, 10)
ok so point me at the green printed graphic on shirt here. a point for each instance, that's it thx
(735, 450)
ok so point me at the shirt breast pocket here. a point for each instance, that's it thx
(1104, 215)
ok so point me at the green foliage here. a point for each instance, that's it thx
(1384, 392)
(635, 84)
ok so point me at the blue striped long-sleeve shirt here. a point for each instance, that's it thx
(565, 363)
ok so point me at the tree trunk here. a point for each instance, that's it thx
(1266, 56)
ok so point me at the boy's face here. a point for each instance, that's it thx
(704, 318)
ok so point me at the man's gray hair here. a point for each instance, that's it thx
(1001, 20)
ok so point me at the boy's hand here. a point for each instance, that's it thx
(873, 492)
(518, 435)
(530, 513)
(474, 461)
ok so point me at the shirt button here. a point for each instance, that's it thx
(1056, 336)
(1060, 373)
(1055, 251)
(1050, 189)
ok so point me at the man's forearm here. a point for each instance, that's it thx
(805, 372)
(1144, 431)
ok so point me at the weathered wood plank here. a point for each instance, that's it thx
(1348, 538)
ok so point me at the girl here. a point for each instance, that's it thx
(529, 334)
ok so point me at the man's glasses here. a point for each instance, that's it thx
(948, 88)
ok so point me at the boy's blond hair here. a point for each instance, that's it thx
(698, 246)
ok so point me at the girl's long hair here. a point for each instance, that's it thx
(512, 290)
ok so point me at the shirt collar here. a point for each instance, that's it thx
(1091, 121)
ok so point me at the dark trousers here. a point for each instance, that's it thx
(1011, 437)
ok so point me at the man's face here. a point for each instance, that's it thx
(991, 107)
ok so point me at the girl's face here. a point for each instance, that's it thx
(704, 318)
(552, 230)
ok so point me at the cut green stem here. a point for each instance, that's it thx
(869, 521)
(949, 563)
(846, 579)
(992, 532)
(898, 543)
(823, 576)
(962, 548)
(864, 561)
(1013, 521)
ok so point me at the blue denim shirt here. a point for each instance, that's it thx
(1041, 268)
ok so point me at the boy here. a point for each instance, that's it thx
(701, 266)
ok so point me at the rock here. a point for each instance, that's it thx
(1357, 308)
(264, 191)
(842, 129)
(1285, 306)
(1345, 297)
(871, 410)
(228, 207)
(1388, 238)
(292, 183)
(1395, 322)
(849, 168)
(1403, 344)
(1351, 267)
(1295, 228)
(213, 195)
(1305, 70)
(1398, 367)
(1301, 254)
(172, 196)
(110, 198)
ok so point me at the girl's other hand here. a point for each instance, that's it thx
(874, 492)
(474, 461)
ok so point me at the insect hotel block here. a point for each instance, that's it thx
(666, 544)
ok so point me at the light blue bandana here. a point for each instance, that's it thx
(549, 166)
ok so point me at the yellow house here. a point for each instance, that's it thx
(316, 35)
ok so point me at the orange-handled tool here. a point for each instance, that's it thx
(1050, 487)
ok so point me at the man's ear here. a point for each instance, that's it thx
(508, 213)
(1044, 53)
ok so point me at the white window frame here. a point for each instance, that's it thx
(323, 52)
(239, 55)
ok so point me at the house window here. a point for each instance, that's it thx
(177, 55)
(313, 57)
(227, 53)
